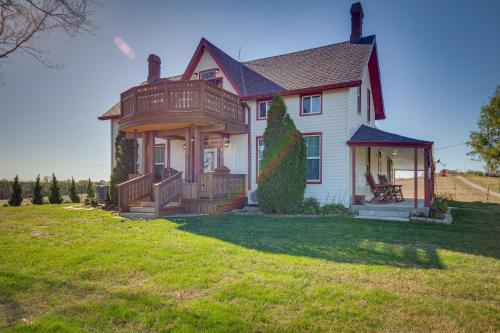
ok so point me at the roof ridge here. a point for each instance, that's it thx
(312, 48)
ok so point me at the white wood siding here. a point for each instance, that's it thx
(207, 62)
(332, 123)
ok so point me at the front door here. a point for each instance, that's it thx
(159, 160)
(209, 159)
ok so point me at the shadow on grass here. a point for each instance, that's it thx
(348, 240)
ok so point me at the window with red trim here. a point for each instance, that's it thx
(310, 105)
(263, 109)
(313, 156)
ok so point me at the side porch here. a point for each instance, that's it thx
(376, 159)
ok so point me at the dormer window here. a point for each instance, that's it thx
(211, 76)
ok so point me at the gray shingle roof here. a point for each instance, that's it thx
(367, 134)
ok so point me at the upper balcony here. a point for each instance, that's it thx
(165, 105)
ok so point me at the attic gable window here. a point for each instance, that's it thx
(368, 105)
(311, 105)
(211, 76)
(359, 99)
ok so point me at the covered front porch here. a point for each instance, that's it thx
(376, 159)
(181, 130)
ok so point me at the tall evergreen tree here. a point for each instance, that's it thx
(90, 189)
(282, 179)
(16, 197)
(73, 194)
(124, 158)
(54, 193)
(37, 192)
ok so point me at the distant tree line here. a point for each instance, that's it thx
(27, 187)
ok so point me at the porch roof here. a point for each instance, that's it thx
(371, 136)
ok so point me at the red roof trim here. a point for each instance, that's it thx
(196, 59)
(305, 91)
(390, 143)
(376, 84)
(109, 117)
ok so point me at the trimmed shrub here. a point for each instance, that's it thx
(124, 165)
(16, 197)
(54, 193)
(334, 209)
(311, 206)
(282, 178)
(439, 208)
(37, 192)
(73, 194)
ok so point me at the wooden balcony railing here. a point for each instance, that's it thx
(134, 189)
(218, 184)
(183, 98)
(167, 191)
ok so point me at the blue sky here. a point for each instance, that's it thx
(439, 63)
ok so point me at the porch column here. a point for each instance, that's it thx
(187, 156)
(415, 175)
(197, 153)
(353, 153)
(147, 152)
(135, 152)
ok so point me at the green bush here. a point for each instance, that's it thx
(311, 206)
(37, 192)
(54, 193)
(73, 194)
(282, 173)
(124, 157)
(334, 209)
(90, 201)
(16, 197)
(439, 208)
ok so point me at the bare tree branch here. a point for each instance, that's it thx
(24, 22)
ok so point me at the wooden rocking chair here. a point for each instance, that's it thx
(396, 189)
(381, 193)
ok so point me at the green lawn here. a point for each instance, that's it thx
(492, 182)
(64, 270)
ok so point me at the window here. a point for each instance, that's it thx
(159, 158)
(368, 105)
(359, 99)
(211, 76)
(260, 153)
(379, 162)
(368, 160)
(313, 144)
(311, 105)
(263, 109)
(208, 75)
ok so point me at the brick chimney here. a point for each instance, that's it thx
(154, 65)
(356, 22)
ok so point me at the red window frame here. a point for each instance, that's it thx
(320, 134)
(320, 94)
(257, 113)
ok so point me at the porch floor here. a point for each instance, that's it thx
(405, 206)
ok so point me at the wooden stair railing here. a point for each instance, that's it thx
(134, 189)
(167, 191)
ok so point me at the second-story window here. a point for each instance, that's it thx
(211, 76)
(311, 105)
(263, 109)
(368, 105)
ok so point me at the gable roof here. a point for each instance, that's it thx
(332, 66)
(366, 135)
(327, 67)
